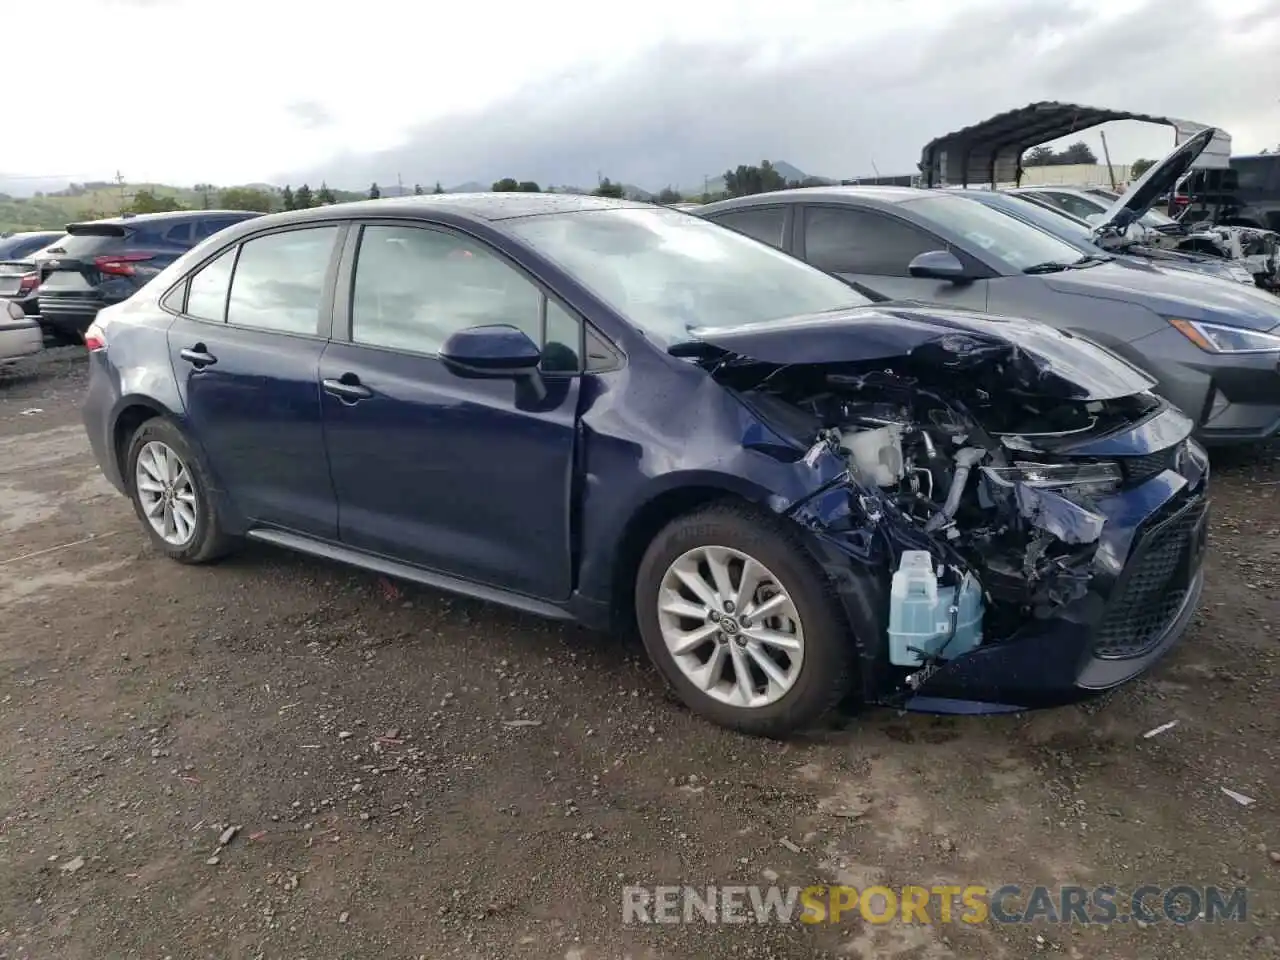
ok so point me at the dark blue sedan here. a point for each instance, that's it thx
(608, 412)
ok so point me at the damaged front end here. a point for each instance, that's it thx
(1033, 515)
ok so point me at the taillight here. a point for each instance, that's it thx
(120, 264)
(28, 283)
(94, 338)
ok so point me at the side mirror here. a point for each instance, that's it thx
(938, 265)
(494, 351)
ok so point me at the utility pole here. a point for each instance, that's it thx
(120, 183)
(399, 186)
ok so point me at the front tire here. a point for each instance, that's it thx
(742, 622)
(170, 490)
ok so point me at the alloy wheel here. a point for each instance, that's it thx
(730, 626)
(166, 493)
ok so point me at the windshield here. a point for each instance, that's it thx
(1152, 218)
(1058, 222)
(668, 272)
(1018, 244)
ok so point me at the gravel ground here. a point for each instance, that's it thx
(358, 736)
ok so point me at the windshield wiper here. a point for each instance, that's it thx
(1090, 258)
(1049, 266)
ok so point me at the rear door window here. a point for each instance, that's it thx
(765, 224)
(278, 283)
(844, 240)
(208, 226)
(178, 235)
(207, 294)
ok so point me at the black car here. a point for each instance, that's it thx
(104, 262)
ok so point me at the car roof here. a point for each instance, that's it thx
(170, 215)
(474, 206)
(1057, 188)
(874, 192)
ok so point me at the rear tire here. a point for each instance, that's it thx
(170, 490)
(797, 656)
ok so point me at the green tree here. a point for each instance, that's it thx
(325, 196)
(417, 189)
(1139, 167)
(668, 195)
(374, 192)
(246, 198)
(506, 185)
(528, 186)
(146, 201)
(205, 190)
(1040, 156)
(286, 198)
(747, 180)
(608, 189)
(438, 189)
(303, 199)
(1078, 152)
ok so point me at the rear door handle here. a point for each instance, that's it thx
(347, 388)
(198, 356)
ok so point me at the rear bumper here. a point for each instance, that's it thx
(97, 411)
(71, 315)
(19, 338)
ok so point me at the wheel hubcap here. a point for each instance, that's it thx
(731, 627)
(166, 493)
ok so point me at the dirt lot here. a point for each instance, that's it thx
(357, 733)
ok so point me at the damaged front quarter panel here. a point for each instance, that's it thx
(995, 475)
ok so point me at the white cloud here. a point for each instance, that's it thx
(240, 90)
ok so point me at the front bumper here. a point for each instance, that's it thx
(1232, 398)
(1146, 586)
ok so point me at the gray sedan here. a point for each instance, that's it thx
(1212, 345)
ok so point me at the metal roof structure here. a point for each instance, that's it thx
(991, 151)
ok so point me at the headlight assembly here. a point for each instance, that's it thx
(1218, 338)
(1082, 477)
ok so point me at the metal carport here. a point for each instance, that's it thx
(991, 151)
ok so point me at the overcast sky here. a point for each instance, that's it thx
(665, 91)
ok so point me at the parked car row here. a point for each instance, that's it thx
(61, 279)
(1210, 344)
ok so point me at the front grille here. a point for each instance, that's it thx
(1153, 587)
(1140, 469)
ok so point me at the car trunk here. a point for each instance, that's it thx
(73, 265)
(12, 274)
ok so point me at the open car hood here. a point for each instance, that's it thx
(1155, 183)
(1006, 353)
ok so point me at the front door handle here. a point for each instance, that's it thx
(347, 388)
(198, 356)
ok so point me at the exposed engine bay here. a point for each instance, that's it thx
(1257, 250)
(973, 480)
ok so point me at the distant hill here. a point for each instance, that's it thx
(54, 210)
(48, 204)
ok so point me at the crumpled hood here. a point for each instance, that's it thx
(1174, 293)
(1026, 356)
